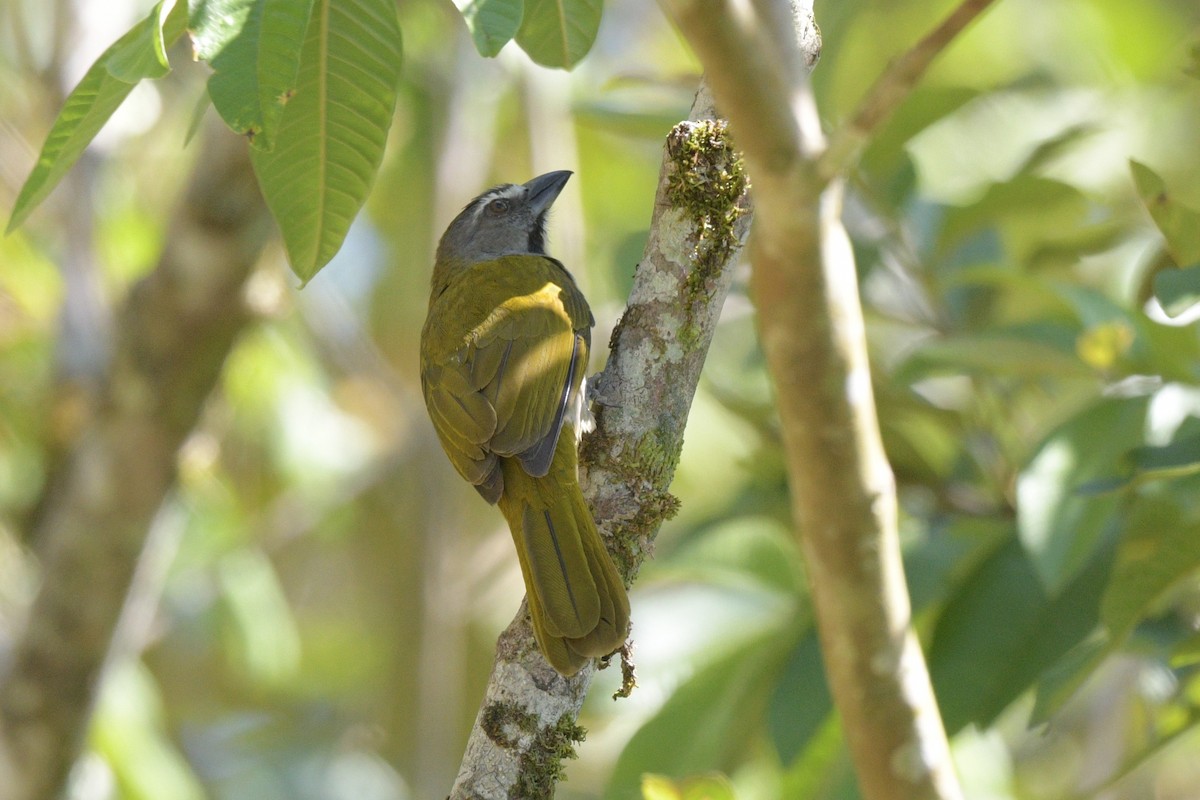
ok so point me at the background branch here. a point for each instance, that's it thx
(804, 285)
(893, 87)
(173, 334)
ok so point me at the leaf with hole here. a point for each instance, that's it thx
(1179, 225)
(493, 23)
(254, 47)
(558, 33)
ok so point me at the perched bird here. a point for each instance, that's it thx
(503, 354)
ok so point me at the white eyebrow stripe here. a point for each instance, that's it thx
(509, 191)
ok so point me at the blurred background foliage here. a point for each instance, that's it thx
(330, 590)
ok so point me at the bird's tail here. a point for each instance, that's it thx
(578, 603)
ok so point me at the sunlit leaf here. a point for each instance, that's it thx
(1059, 526)
(1179, 225)
(254, 47)
(94, 100)
(493, 23)
(267, 639)
(1102, 345)
(129, 730)
(713, 786)
(1177, 290)
(142, 53)
(333, 131)
(558, 33)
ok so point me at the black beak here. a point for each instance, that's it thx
(544, 189)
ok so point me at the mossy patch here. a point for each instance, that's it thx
(541, 765)
(707, 181)
(504, 722)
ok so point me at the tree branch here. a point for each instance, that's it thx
(173, 334)
(843, 494)
(892, 88)
(526, 722)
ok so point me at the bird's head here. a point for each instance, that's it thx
(509, 219)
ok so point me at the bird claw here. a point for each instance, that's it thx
(598, 391)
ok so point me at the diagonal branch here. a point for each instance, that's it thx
(526, 722)
(804, 285)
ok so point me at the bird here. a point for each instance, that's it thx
(503, 353)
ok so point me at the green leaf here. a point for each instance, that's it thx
(558, 33)
(707, 723)
(493, 23)
(333, 131)
(981, 660)
(254, 47)
(1058, 525)
(800, 705)
(94, 100)
(1072, 670)
(142, 53)
(1174, 459)
(1158, 550)
(1177, 290)
(990, 354)
(1179, 225)
(1159, 547)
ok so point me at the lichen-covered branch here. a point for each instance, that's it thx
(526, 722)
(173, 334)
(804, 286)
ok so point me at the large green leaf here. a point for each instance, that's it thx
(1059, 526)
(493, 23)
(140, 53)
(708, 722)
(333, 131)
(1179, 225)
(254, 47)
(1002, 630)
(558, 33)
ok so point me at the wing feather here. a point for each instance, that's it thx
(508, 351)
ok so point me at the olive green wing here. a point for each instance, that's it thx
(530, 357)
(504, 349)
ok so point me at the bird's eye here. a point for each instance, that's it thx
(498, 206)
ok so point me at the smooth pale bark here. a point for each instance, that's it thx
(805, 288)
